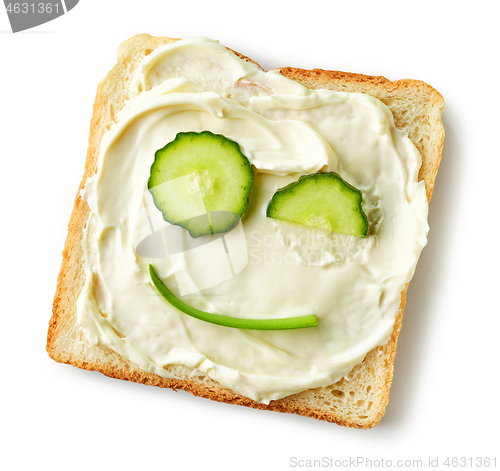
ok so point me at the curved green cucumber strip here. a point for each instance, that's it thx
(288, 323)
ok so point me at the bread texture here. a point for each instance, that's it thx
(359, 400)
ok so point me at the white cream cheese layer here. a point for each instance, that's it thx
(353, 286)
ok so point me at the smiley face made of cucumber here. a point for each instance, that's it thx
(219, 181)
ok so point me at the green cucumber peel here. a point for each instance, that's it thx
(288, 323)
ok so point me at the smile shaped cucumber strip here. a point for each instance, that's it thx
(288, 323)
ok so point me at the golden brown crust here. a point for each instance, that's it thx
(359, 400)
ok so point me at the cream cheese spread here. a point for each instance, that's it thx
(353, 286)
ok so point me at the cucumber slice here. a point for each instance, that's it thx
(321, 200)
(201, 182)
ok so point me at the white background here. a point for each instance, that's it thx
(444, 398)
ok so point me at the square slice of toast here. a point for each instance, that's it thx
(359, 400)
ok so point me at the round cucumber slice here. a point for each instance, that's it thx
(201, 182)
(322, 200)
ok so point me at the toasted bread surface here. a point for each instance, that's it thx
(359, 400)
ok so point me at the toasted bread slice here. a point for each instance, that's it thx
(358, 400)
